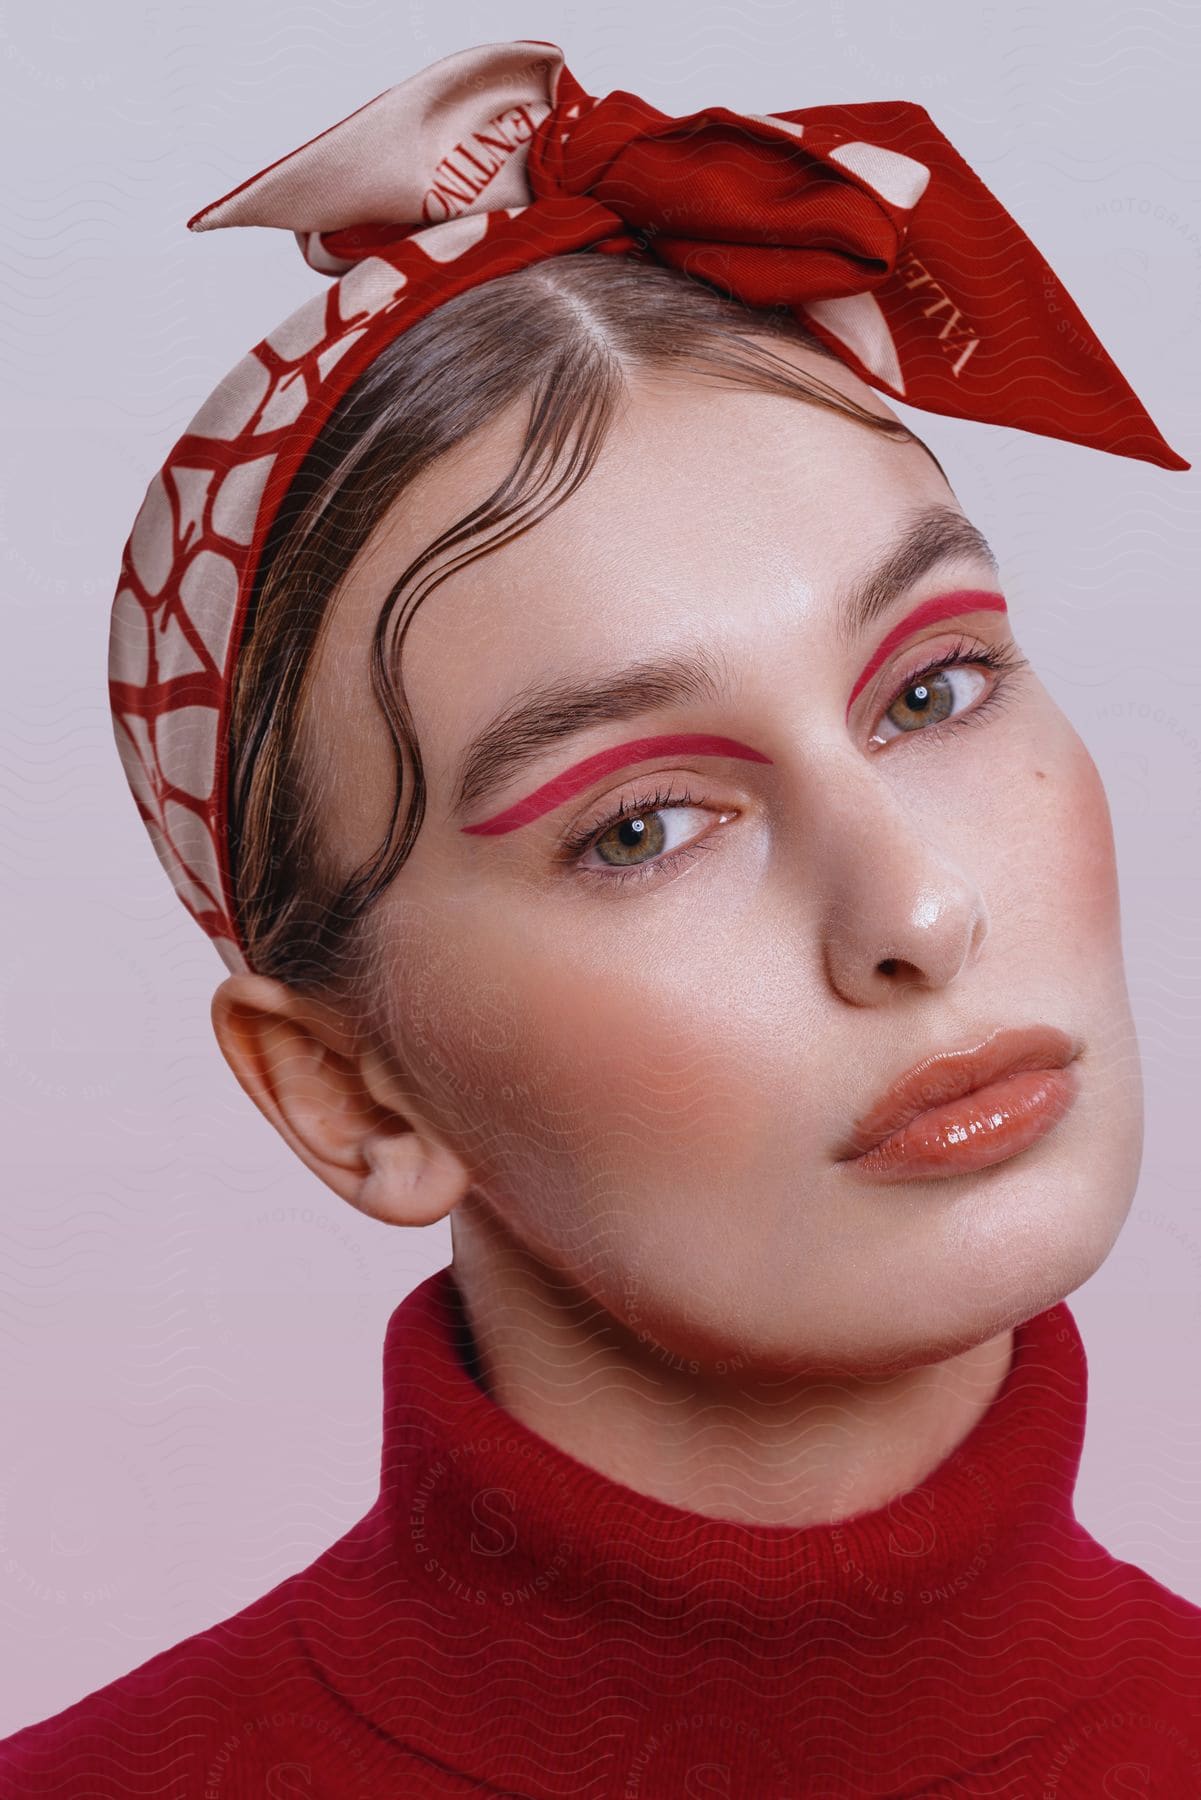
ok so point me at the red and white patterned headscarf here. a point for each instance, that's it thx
(862, 219)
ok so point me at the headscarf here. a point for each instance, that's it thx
(861, 219)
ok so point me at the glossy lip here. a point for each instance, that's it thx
(950, 1074)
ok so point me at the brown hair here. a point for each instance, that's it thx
(562, 332)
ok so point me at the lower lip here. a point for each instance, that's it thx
(986, 1126)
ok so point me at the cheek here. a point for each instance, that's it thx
(1069, 858)
(1088, 833)
(459, 1018)
(599, 1070)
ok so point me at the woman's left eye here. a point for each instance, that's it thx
(931, 699)
(949, 687)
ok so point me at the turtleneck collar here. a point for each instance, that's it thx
(502, 1572)
(1018, 1462)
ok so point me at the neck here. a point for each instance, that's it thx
(733, 1442)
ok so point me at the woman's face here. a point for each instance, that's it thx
(648, 1046)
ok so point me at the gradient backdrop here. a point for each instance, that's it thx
(192, 1323)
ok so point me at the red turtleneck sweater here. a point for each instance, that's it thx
(507, 1621)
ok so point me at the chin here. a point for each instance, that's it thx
(1034, 1251)
(997, 1257)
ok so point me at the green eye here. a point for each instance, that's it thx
(950, 687)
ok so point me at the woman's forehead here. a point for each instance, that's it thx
(702, 499)
(714, 516)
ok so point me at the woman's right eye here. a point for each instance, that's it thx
(644, 837)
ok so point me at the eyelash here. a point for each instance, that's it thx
(1004, 660)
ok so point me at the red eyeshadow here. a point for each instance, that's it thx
(943, 606)
(605, 762)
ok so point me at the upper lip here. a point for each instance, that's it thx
(949, 1074)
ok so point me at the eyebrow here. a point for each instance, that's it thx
(545, 714)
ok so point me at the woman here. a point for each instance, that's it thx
(646, 844)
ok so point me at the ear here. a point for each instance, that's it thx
(338, 1105)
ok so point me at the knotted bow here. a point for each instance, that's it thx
(862, 219)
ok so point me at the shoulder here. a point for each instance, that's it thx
(1141, 1643)
(1151, 1612)
(1133, 1667)
(164, 1726)
(241, 1708)
(1130, 1616)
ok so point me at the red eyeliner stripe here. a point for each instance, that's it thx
(943, 606)
(561, 787)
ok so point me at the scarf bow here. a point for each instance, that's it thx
(863, 219)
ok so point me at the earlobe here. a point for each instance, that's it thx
(413, 1179)
(339, 1111)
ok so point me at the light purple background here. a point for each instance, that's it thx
(189, 1404)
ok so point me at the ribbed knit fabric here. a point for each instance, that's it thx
(507, 1621)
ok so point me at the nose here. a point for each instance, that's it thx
(901, 910)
